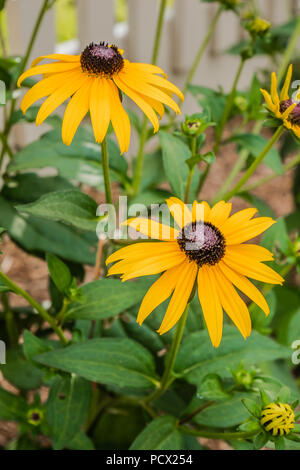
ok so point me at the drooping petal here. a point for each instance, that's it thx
(272, 107)
(137, 98)
(100, 108)
(180, 297)
(233, 305)
(134, 83)
(75, 112)
(245, 286)
(253, 269)
(57, 67)
(274, 92)
(119, 118)
(152, 228)
(284, 95)
(163, 83)
(156, 105)
(159, 292)
(249, 230)
(220, 213)
(180, 211)
(74, 82)
(211, 305)
(143, 250)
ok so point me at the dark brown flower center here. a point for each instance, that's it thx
(202, 243)
(294, 116)
(101, 59)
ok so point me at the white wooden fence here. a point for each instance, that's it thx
(186, 24)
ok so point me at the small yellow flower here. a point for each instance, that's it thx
(282, 107)
(208, 245)
(93, 80)
(35, 416)
(278, 419)
(259, 26)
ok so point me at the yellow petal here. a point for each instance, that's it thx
(146, 267)
(220, 213)
(145, 107)
(143, 250)
(249, 230)
(60, 57)
(244, 285)
(233, 305)
(164, 84)
(180, 211)
(158, 292)
(156, 105)
(67, 88)
(284, 95)
(152, 228)
(201, 211)
(274, 92)
(288, 111)
(211, 305)
(57, 67)
(237, 220)
(253, 269)
(247, 250)
(148, 68)
(272, 107)
(76, 111)
(119, 118)
(43, 88)
(144, 88)
(180, 297)
(100, 108)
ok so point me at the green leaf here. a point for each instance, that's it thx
(59, 272)
(67, 408)
(112, 361)
(20, 372)
(12, 407)
(71, 207)
(253, 407)
(211, 388)
(197, 357)
(80, 442)
(209, 99)
(39, 236)
(175, 153)
(160, 434)
(33, 345)
(106, 298)
(81, 161)
(277, 237)
(255, 145)
(28, 187)
(151, 196)
(260, 440)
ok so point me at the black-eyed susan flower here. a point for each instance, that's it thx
(94, 80)
(208, 245)
(278, 419)
(281, 106)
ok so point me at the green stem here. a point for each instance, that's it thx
(203, 178)
(105, 168)
(289, 51)
(193, 145)
(144, 132)
(228, 107)
(202, 48)
(24, 62)
(61, 315)
(254, 165)
(288, 166)
(167, 377)
(217, 435)
(44, 314)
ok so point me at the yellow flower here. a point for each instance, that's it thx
(282, 107)
(209, 245)
(94, 81)
(278, 418)
(259, 26)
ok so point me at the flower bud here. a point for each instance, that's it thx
(278, 419)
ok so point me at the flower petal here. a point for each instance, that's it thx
(201, 211)
(180, 297)
(100, 108)
(119, 118)
(272, 107)
(253, 269)
(233, 305)
(152, 228)
(237, 220)
(284, 95)
(249, 230)
(57, 67)
(220, 213)
(60, 57)
(247, 250)
(143, 250)
(180, 211)
(274, 92)
(159, 292)
(211, 305)
(244, 285)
